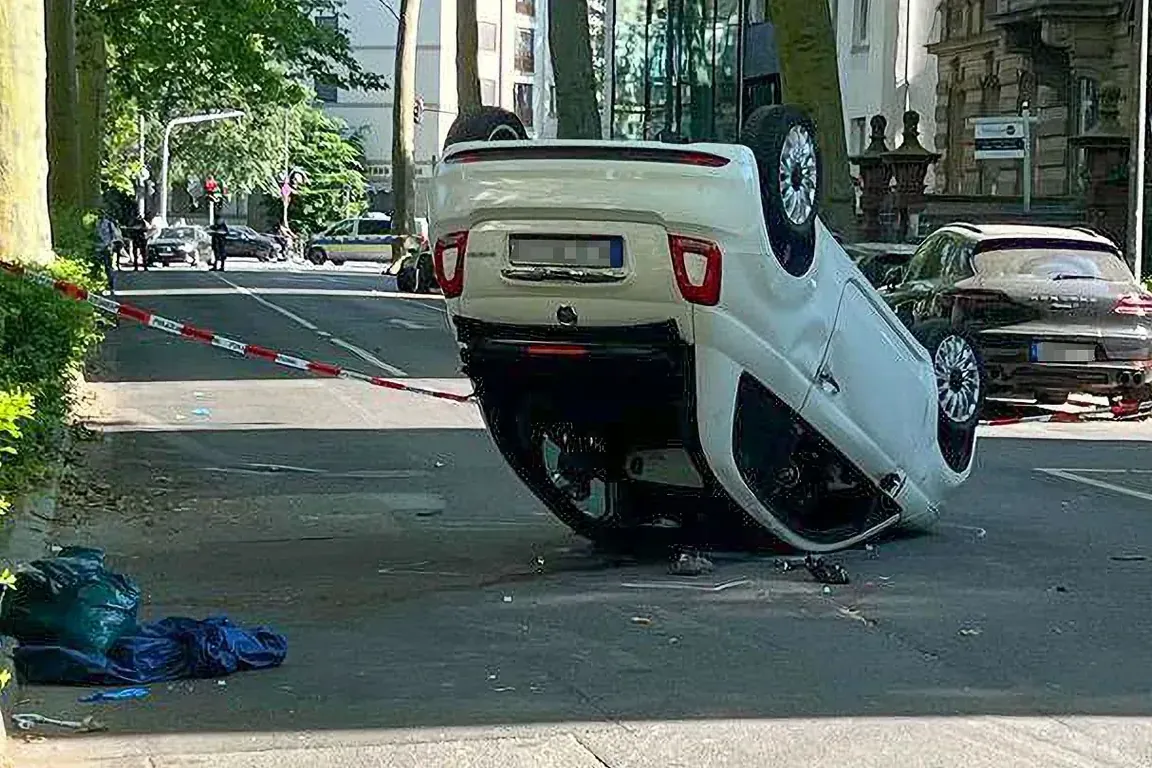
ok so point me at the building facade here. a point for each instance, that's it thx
(995, 56)
(509, 34)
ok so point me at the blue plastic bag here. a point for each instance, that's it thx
(70, 600)
(171, 649)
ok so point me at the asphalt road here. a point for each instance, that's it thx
(436, 615)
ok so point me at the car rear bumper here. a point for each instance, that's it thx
(1101, 377)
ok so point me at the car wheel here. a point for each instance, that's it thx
(524, 437)
(961, 385)
(487, 124)
(783, 140)
(1051, 398)
(406, 279)
(337, 262)
(317, 256)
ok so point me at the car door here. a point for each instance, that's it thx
(374, 239)
(338, 240)
(875, 393)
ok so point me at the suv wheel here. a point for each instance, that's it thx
(487, 124)
(961, 385)
(406, 279)
(783, 140)
(317, 256)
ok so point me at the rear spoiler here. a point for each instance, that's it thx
(1020, 243)
(622, 153)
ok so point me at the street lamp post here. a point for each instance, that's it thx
(206, 118)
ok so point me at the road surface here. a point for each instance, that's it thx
(437, 616)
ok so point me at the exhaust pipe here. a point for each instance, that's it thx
(1124, 378)
(1138, 378)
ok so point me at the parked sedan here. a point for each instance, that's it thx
(245, 242)
(179, 245)
(1056, 310)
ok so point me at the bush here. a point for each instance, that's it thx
(44, 338)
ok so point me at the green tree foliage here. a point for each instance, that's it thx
(332, 160)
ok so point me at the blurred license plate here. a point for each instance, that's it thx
(584, 252)
(1056, 352)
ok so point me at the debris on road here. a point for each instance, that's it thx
(642, 621)
(691, 564)
(1129, 558)
(29, 721)
(507, 598)
(123, 694)
(76, 623)
(970, 631)
(824, 571)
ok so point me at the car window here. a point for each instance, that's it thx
(926, 262)
(177, 233)
(956, 260)
(1053, 263)
(370, 227)
(342, 229)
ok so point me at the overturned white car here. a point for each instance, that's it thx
(667, 335)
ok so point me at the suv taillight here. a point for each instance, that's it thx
(448, 262)
(1138, 304)
(696, 264)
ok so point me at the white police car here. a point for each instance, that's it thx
(367, 238)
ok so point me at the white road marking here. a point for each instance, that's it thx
(686, 586)
(362, 354)
(408, 324)
(275, 308)
(1071, 474)
(368, 357)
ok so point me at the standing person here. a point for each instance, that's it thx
(108, 238)
(138, 233)
(219, 232)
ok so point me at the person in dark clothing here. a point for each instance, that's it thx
(108, 243)
(138, 233)
(219, 232)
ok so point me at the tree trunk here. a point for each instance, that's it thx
(810, 73)
(577, 115)
(92, 63)
(63, 84)
(467, 55)
(24, 228)
(404, 125)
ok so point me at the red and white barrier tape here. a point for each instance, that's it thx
(1118, 411)
(184, 330)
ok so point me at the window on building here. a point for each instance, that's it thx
(522, 102)
(326, 91)
(859, 135)
(977, 20)
(488, 95)
(525, 51)
(860, 22)
(1088, 108)
(526, 7)
(486, 32)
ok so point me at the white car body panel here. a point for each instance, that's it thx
(780, 328)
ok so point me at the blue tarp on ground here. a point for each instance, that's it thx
(172, 649)
(76, 623)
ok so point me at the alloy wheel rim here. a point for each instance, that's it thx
(798, 175)
(957, 379)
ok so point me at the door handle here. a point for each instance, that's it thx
(828, 382)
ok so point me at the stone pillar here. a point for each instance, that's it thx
(1106, 156)
(876, 178)
(909, 164)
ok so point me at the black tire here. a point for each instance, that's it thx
(337, 262)
(783, 140)
(515, 434)
(962, 384)
(317, 256)
(406, 279)
(425, 274)
(488, 124)
(1051, 398)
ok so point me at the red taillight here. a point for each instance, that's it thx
(557, 350)
(448, 263)
(1138, 304)
(696, 264)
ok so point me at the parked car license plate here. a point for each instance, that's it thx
(1059, 352)
(581, 252)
